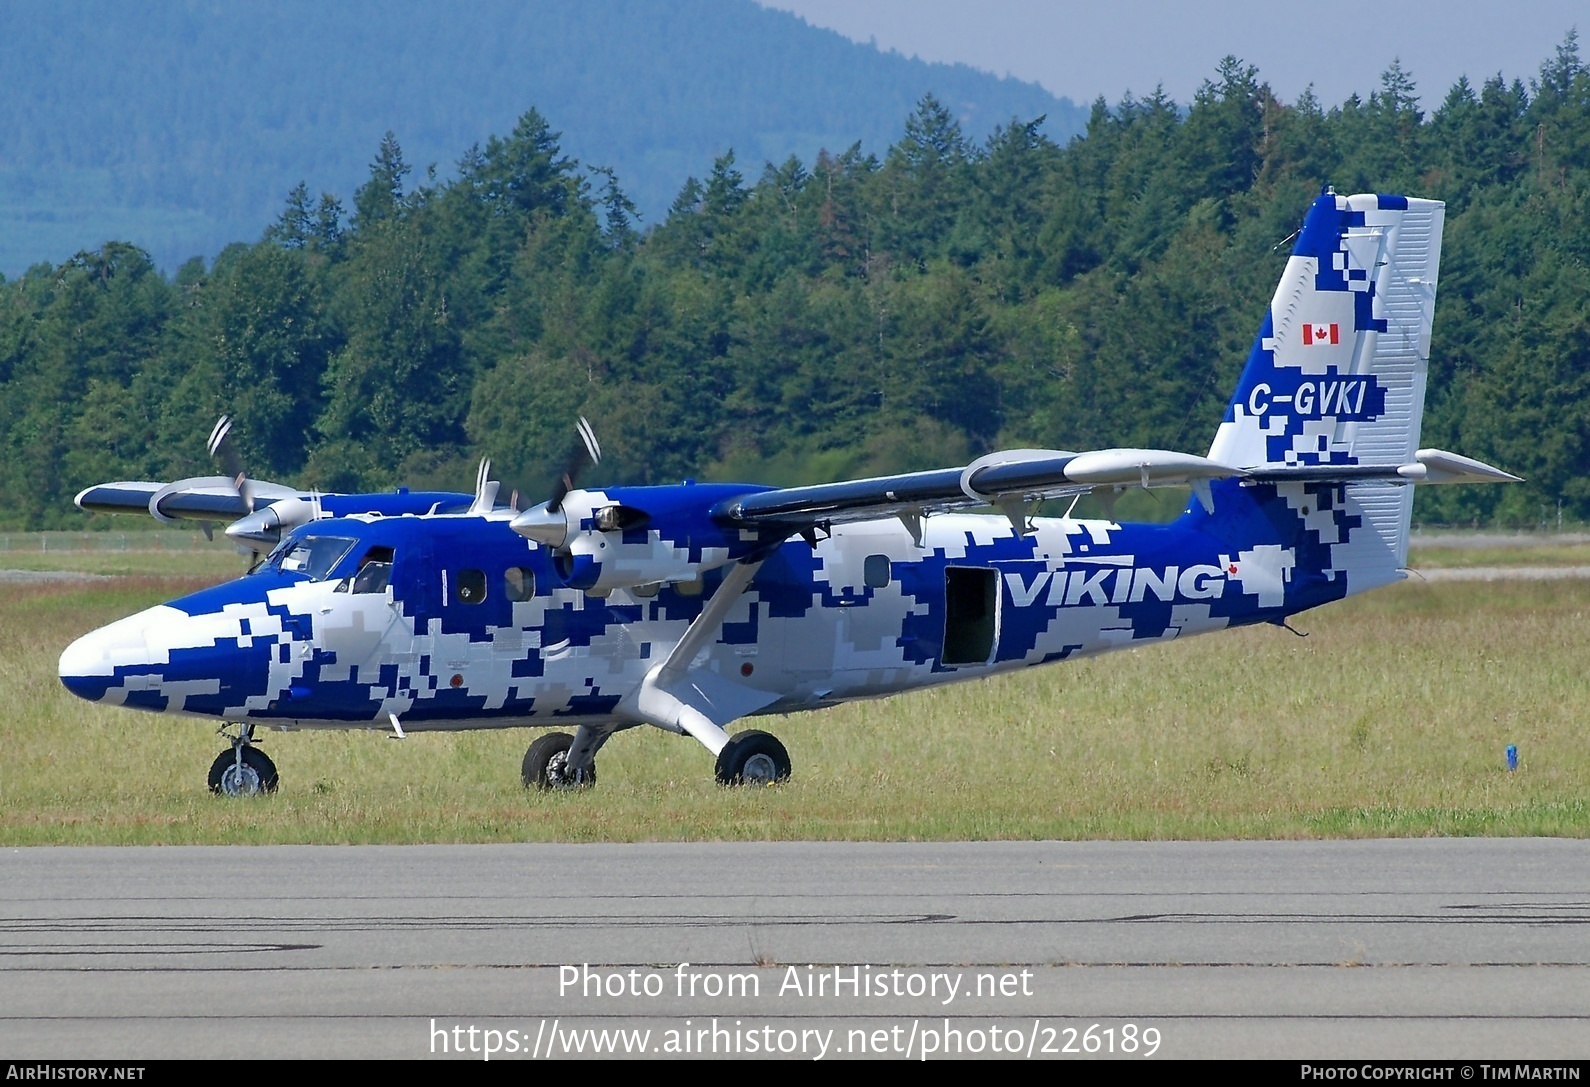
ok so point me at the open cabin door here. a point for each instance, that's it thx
(971, 614)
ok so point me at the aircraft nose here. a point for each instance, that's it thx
(102, 659)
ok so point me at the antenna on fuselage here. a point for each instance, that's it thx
(485, 488)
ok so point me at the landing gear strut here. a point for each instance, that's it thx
(243, 771)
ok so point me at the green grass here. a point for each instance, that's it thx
(1389, 719)
(216, 565)
(156, 551)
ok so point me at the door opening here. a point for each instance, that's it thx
(971, 599)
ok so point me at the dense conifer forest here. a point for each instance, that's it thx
(808, 320)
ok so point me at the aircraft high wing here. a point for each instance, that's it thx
(258, 512)
(691, 607)
(1014, 479)
(1010, 480)
(276, 509)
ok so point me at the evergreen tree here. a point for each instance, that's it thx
(856, 313)
(381, 197)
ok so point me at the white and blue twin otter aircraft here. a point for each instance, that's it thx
(690, 607)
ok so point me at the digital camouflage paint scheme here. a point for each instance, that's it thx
(689, 607)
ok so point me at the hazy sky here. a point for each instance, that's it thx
(1083, 49)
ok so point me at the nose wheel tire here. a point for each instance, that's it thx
(753, 757)
(250, 775)
(546, 765)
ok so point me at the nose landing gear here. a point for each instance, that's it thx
(243, 771)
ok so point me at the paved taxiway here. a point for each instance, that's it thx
(1431, 948)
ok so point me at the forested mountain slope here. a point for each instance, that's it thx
(180, 125)
(850, 313)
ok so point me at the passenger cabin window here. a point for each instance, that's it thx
(876, 571)
(471, 586)
(519, 582)
(375, 571)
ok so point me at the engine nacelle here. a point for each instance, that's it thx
(599, 562)
(634, 536)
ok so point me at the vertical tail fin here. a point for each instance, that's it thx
(1337, 374)
(1329, 406)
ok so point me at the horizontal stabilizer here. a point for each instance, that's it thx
(1439, 466)
(1428, 466)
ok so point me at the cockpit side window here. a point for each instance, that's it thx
(375, 571)
(312, 556)
(519, 583)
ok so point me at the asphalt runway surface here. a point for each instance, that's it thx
(1455, 949)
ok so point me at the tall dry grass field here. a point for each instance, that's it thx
(1390, 718)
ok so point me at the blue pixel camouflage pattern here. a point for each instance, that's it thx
(479, 627)
(279, 648)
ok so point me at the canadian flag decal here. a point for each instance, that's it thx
(1313, 334)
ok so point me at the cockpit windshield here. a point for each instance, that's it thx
(312, 556)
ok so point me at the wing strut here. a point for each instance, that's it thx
(698, 701)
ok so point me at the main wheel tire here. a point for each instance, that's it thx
(544, 764)
(258, 773)
(753, 757)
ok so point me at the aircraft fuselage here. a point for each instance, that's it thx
(471, 626)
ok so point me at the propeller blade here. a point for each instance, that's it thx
(218, 433)
(231, 463)
(584, 454)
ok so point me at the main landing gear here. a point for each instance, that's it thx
(245, 770)
(546, 765)
(752, 757)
